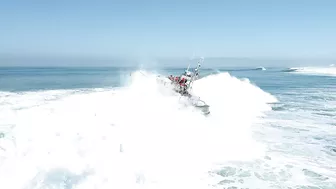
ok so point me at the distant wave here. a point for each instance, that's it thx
(260, 68)
(246, 69)
(327, 71)
(291, 69)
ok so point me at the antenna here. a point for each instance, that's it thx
(196, 71)
(190, 58)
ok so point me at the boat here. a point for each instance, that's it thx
(183, 85)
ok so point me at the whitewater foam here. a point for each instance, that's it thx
(327, 71)
(59, 136)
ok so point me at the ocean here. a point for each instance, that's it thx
(110, 127)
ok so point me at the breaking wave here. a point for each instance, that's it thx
(261, 68)
(327, 71)
(136, 135)
(246, 69)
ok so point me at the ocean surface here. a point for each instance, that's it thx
(103, 128)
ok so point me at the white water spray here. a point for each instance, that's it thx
(74, 140)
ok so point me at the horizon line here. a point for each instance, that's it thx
(123, 57)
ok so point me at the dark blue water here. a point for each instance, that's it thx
(30, 79)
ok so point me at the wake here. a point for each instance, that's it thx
(164, 143)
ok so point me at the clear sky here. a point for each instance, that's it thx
(217, 28)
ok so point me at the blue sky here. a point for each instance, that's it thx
(276, 29)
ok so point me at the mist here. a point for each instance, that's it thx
(155, 62)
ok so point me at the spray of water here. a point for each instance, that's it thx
(140, 135)
(324, 71)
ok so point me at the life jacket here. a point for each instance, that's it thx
(183, 82)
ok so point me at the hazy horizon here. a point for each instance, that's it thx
(87, 61)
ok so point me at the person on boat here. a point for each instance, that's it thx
(183, 81)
